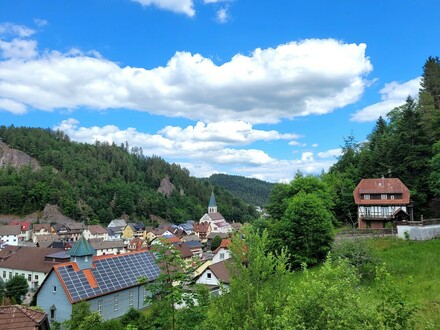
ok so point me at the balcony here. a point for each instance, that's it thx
(375, 216)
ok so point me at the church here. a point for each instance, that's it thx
(215, 219)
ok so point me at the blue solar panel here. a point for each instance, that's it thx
(111, 274)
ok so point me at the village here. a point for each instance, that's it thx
(67, 263)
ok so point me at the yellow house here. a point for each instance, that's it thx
(134, 230)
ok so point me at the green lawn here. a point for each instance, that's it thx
(415, 267)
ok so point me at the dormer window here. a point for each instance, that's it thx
(383, 196)
(367, 196)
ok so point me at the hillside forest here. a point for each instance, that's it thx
(100, 182)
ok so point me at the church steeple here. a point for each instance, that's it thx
(82, 253)
(212, 207)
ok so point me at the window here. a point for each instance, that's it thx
(100, 307)
(4, 274)
(367, 196)
(208, 275)
(392, 196)
(116, 303)
(10, 275)
(130, 299)
(29, 277)
(52, 313)
(54, 289)
(383, 196)
(36, 277)
(222, 256)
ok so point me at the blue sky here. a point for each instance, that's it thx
(253, 88)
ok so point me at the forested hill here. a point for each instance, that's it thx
(253, 191)
(101, 182)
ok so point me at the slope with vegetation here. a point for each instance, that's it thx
(103, 181)
(251, 190)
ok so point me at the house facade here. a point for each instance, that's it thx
(381, 201)
(108, 247)
(42, 229)
(96, 232)
(9, 234)
(26, 231)
(222, 253)
(216, 277)
(110, 284)
(70, 232)
(133, 230)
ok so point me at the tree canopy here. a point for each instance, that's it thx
(104, 181)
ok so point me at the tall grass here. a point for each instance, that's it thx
(415, 267)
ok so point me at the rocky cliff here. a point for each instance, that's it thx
(16, 158)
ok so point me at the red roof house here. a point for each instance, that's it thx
(380, 201)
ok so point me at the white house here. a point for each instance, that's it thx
(108, 247)
(216, 277)
(26, 232)
(222, 253)
(96, 232)
(9, 234)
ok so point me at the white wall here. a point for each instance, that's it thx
(418, 233)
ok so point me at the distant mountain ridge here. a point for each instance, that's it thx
(251, 190)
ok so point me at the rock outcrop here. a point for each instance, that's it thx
(16, 158)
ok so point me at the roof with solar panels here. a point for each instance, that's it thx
(107, 274)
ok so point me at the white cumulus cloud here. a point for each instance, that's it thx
(204, 150)
(332, 153)
(222, 15)
(178, 6)
(16, 30)
(294, 79)
(393, 94)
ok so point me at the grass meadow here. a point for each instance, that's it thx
(415, 267)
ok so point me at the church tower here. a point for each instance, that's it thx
(212, 207)
(82, 253)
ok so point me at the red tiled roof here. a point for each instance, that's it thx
(201, 227)
(381, 186)
(172, 239)
(25, 225)
(224, 244)
(21, 317)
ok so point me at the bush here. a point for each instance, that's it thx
(358, 254)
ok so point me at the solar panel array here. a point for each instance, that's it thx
(111, 274)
